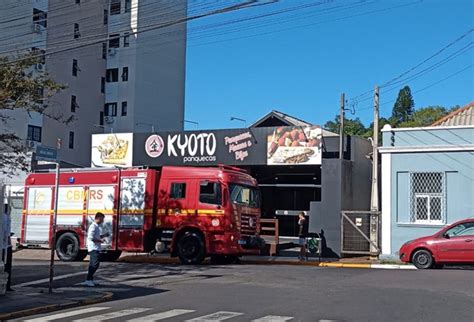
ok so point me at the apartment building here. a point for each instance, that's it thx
(123, 71)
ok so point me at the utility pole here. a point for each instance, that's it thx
(55, 216)
(341, 127)
(374, 202)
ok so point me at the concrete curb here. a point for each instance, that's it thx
(106, 296)
(276, 261)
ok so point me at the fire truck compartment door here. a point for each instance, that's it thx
(38, 215)
(130, 239)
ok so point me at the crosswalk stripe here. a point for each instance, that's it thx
(274, 318)
(68, 314)
(162, 315)
(113, 315)
(218, 316)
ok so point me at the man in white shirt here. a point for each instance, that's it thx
(94, 240)
(7, 245)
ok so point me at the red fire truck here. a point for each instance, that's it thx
(193, 212)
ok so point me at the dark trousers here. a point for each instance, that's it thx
(7, 258)
(94, 263)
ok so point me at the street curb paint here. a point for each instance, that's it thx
(161, 260)
(106, 296)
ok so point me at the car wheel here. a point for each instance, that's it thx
(191, 250)
(422, 259)
(67, 247)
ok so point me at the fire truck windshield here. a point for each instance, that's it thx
(244, 195)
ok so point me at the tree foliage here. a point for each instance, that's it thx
(351, 126)
(403, 108)
(22, 90)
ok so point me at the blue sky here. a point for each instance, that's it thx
(325, 50)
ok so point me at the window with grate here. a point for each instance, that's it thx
(427, 197)
(115, 7)
(34, 133)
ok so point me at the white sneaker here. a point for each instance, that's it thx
(89, 283)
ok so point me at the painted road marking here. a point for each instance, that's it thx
(68, 314)
(218, 316)
(114, 315)
(45, 280)
(162, 315)
(273, 318)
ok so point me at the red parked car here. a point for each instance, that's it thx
(453, 244)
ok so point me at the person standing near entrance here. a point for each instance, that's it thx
(94, 241)
(301, 235)
(7, 251)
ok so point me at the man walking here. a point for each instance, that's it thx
(7, 246)
(94, 241)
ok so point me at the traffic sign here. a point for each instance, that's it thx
(45, 153)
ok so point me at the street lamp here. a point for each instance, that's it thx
(147, 124)
(233, 118)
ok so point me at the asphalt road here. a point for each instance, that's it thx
(269, 293)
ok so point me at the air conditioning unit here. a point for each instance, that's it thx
(109, 119)
(36, 27)
(112, 51)
(31, 144)
(39, 66)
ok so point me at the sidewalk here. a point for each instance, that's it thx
(360, 262)
(29, 301)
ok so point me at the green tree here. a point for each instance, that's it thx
(351, 126)
(403, 108)
(22, 90)
(425, 116)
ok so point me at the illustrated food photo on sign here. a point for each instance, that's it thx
(294, 145)
(112, 149)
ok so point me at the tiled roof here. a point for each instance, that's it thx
(461, 116)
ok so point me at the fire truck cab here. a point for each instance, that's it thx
(193, 212)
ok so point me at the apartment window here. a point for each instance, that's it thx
(110, 109)
(102, 84)
(115, 6)
(78, 1)
(111, 75)
(114, 41)
(39, 94)
(71, 140)
(178, 191)
(77, 34)
(104, 50)
(427, 197)
(40, 17)
(106, 17)
(124, 74)
(128, 5)
(126, 39)
(74, 67)
(73, 103)
(34, 133)
(124, 108)
(101, 118)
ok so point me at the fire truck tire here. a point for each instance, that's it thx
(111, 256)
(67, 248)
(191, 249)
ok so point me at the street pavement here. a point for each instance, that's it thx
(151, 292)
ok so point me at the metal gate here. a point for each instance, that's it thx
(360, 232)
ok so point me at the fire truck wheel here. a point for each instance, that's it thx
(111, 256)
(67, 247)
(191, 248)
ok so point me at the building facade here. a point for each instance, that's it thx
(122, 69)
(427, 181)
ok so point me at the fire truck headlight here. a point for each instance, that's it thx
(215, 222)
